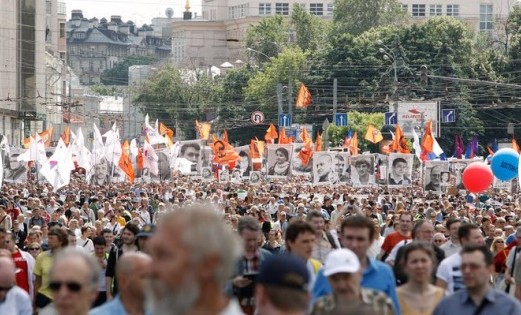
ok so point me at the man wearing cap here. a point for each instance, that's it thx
(282, 286)
(143, 236)
(343, 272)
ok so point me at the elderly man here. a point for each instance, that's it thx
(74, 282)
(132, 270)
(343, 272)
(13, 299)
(189, 271)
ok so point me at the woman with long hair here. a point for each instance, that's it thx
(419, 296)
(281, 165)
(500, 252)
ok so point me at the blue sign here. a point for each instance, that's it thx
(291, 132)
(391, 118)
(448, 115)
(341, 119)
(285, 120)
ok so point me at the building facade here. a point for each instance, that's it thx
(481, 15)
(96, 45)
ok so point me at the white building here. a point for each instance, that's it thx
(480, 14)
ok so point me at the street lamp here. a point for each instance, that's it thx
(388, 55)
(258, 52)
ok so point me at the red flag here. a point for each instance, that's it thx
(303, 97)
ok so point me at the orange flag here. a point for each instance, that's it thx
(305, 153)
(203, 129)
(66, 135)
(125, 164)
(225, 136)
(373, 135)
(319, 145)
(46, 136)
(283, 138)
(256, 148)
(224, 153)
(303, 97)
(164, 130)
(515, 146)
(304, 136)
(353, 145)
(399, 144)
(271, 134)
(140, 159)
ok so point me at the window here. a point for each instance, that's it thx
(485, 17)
(452, 9)
(316, 8)
(48, 7)
(62, 30)
(418, 10)
(330, 8)
(405, 8)
(282, 8)
(435, 9)
(264, 8)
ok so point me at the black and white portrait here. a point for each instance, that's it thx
(400, 169)
(163, 164)
(255, 177)
(206, 173)
(341, 167)
(192, 152)
(323, 168)
(457, 167)
(279, 160)
(100, 173)
(362, 170)
(243, 165)
(381, 168)
(224, 176)
(14, 170)
(432, 175)
(445, 179)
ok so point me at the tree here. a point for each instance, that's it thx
(310, 30)
(118, 75)
(358, 16)
(267, 38)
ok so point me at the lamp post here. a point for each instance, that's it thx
(389, 55)
(258, 52)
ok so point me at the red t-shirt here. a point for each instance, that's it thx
(14, 213)
(22, 278)
(392, 239)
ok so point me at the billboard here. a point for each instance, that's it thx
(413, 114)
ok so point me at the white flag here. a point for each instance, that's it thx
(150, 159)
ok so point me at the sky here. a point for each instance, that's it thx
(139, 11)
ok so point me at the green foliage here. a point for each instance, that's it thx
(267, 38)
(358, 122)
(357, 16)
(118, 75)
(310, 30)
(105, 90)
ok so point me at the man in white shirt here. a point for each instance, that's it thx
(449, 275)
(453, 245)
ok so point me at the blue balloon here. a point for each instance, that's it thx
(504, 164)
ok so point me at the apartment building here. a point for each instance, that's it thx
(481, 15)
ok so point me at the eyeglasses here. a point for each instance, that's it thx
(71, 286)
(34, 248)
(5, 289)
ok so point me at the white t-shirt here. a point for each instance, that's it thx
(449, 271)
(87, 245)
(394, 251)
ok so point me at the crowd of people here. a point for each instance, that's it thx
(284, 246)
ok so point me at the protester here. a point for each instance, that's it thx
(132, 272)
(24, 263)
(342, 269)
(74, 282)
(189, 271)
(419, 296)
(13, 299)
(282, 286)
(477, 297)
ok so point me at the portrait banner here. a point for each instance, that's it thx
(399, 173)
(279, 158)
(363, 170)
(15, 171)
(243, 165)
(191, 152)
(255, 177)
(432, 176)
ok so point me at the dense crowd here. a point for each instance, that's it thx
(281, 247)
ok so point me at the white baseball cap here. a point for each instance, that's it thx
(341, 261)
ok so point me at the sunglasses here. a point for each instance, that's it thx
(34, 248)
(71, 286)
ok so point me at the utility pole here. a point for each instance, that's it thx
(290, 95)
(279, 99)
(335, 86)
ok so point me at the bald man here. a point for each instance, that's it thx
(13, 299)
(131, 271)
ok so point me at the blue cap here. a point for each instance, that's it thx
(285, 271)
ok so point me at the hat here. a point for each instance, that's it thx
(147, 230)
(286, 271)
(341, 261)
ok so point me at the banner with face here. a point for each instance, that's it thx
(432, 176)
(399, 172)
(15, 171)
(279, 160)
(362, 170)
(191, 152)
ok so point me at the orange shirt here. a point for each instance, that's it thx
(392, 239)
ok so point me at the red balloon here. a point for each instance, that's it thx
(477, 177)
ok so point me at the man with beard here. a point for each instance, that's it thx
(192, 267)
(132, 271)
(128, 238)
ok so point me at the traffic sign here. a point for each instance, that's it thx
(257, 117)
(448, 115)
(285, 120)
(341, 119)
(391, 118)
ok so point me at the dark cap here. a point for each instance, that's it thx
(147, 230)
(286, 271)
